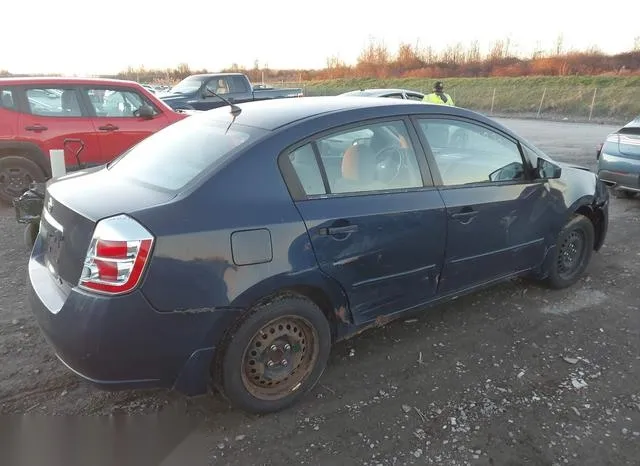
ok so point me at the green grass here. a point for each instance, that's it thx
(617, 97)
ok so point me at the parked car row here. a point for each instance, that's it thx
(234, 247)
(106, 117)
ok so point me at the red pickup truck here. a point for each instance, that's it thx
(104, 116)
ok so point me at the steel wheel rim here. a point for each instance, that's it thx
(571, 253)
(15, 181)
(280, 357)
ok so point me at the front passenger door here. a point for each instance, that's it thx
(494, 207)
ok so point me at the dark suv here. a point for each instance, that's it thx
(104, 116)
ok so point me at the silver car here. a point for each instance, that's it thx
(619, 159)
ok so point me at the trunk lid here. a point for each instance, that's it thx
(74, 204)
(629, 142)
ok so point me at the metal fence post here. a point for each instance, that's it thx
(493, 100)
(593, 101)
(544, 92)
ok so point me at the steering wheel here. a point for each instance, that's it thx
(389, 161)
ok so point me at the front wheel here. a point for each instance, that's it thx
(574, 248)
(276, 354)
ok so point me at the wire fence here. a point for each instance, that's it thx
(578, 103)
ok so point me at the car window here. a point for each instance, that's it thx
(304, 163)
(371, 157)
(412, 96)
(118, 103)
(470, 153)
(54, 102)
(239, 84)
(6, 99)
(394, 96)
(218, 85)
(177, 154)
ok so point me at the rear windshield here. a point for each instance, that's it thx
(176, 155)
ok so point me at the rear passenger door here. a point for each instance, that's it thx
(376, 223)
(55, 114)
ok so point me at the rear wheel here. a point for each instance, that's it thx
(276, 355)
(574, 248)
(16, 175)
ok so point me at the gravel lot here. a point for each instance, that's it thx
(514, 375)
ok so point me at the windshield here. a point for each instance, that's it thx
(187, 86)
(176, 155)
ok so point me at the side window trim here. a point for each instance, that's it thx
(295, 187)
(433, 166)
(289, 175)
(321, 167)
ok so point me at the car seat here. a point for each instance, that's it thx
(358, 171)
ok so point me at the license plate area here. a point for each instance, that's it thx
(53, 238)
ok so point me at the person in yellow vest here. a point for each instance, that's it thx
(438, 96)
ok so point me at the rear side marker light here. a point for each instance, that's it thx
(117, 256)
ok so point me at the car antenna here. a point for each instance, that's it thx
(235, 110)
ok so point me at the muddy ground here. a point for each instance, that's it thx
(513, 375)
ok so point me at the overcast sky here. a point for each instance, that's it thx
(84, 37)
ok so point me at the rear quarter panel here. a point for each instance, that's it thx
(193, 266)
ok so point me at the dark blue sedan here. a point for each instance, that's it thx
(234, 247)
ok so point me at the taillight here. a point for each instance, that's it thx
(117, 256)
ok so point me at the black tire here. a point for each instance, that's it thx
(574, 248)
(244, 370)
(16, 175)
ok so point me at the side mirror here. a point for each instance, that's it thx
(146, 111)
(546, 170)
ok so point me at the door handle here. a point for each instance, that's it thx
(465, 215)
(36, 128)
(108, 127)
(339, 230)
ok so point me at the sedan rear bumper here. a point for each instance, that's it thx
(123, 342)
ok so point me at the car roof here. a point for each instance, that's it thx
(212, 75)
(272, 114)
(60, 80)
(374, 92)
